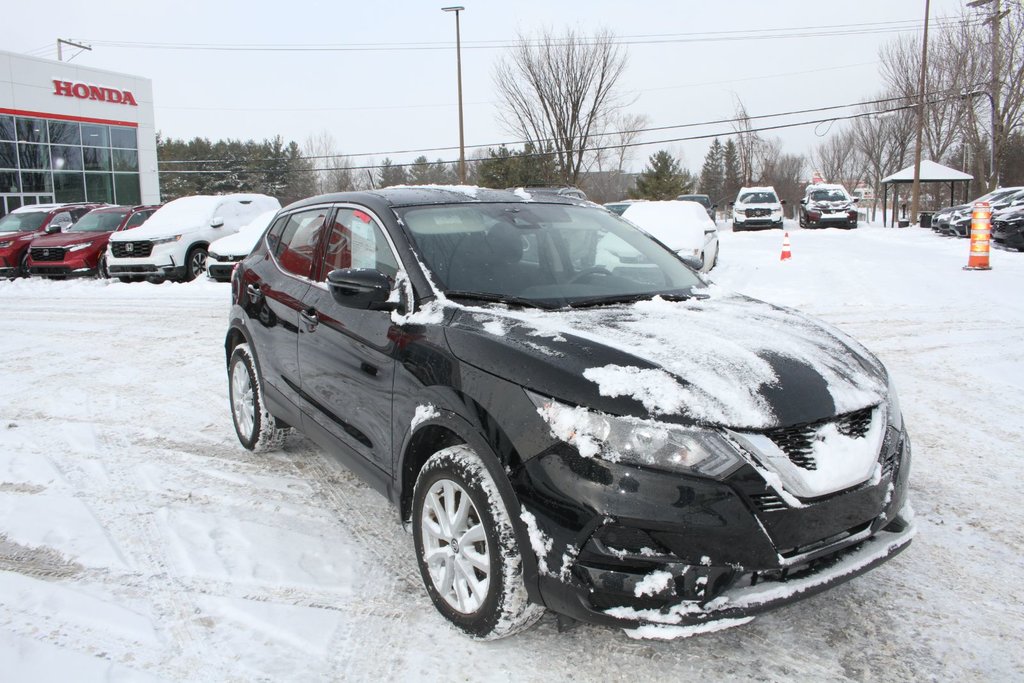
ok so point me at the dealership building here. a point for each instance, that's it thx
(69, 133)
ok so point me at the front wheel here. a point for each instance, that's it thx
(101, 268)
(466, 547)
(256, 428)
(195, 263)
(23, 270)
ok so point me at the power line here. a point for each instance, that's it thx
(649, 129)
(857, 29)
(706, 136)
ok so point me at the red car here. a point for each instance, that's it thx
(82, 249)
(24, 224)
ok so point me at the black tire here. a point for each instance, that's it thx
(124, 278)
(101, 268)
(195, 263)
(256, 428)
(489, 550)
(23, 270)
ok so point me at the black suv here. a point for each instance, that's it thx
(564, 412)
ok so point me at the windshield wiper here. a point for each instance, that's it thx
(497, 299)
(626, 299)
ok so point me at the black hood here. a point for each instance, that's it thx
(728, 360)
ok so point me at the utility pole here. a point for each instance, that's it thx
(994, 90)
(915, 197)
(458, 67)
(60, 48)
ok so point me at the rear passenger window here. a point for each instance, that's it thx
(137, 219)
(356, 241)
(296, 242)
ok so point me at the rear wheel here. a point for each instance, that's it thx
(466, 547)
(256, 428)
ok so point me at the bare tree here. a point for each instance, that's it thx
(606, 179)
(560, 91)
(331, 169)
(839, 160)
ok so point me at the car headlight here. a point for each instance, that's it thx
(634, 441)
(165, 240)
(6, 243)
(78, 247)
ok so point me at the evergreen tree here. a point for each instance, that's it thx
(513, 168)
(423, 172)
(392, 175)
(712, 175)
(733, 180)
(663, 178)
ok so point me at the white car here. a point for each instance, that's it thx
(227, 251)
(173, 243)
(756, 208)
(682, 226)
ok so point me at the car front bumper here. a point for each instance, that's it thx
(638, 548)
(1011, 236)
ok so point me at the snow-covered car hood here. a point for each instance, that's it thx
(725, 360)
(774, 206)
(242, 242)
(838, 204)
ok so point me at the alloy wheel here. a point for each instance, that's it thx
(242, 399)
(455, 546)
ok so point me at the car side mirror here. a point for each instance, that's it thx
(216, 222)
(803, 201)
(692, 261)
(732, 204)
(782, 202)
(52, 228)
(854, 199)
(714, 206)
(363, 288)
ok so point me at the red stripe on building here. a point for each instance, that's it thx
(64, 117)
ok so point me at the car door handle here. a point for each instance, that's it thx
(309, 316)
(254, 293)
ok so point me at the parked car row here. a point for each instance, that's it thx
(1007, 204)
(156, 243)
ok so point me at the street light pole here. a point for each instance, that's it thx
(458, 63)
(915, 196)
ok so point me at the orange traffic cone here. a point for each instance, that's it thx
(786, 253)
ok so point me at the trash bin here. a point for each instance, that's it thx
(925, 219)
(903, 223)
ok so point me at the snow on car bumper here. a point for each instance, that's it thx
(738, 605)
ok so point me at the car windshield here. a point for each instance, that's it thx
(828, 196)
(544, 255)
(758, 198)
(99, 221)
(23, 222)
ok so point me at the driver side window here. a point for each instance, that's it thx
(357, 241)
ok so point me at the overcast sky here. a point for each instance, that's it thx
(380, 96)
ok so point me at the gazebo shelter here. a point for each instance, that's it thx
(931, 172)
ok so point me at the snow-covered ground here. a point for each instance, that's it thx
(139, 541)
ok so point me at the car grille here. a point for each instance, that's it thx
(797, 441)
(47, 253)
(758, 213)
(132, 270)
(131, 249)
(51, 270)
